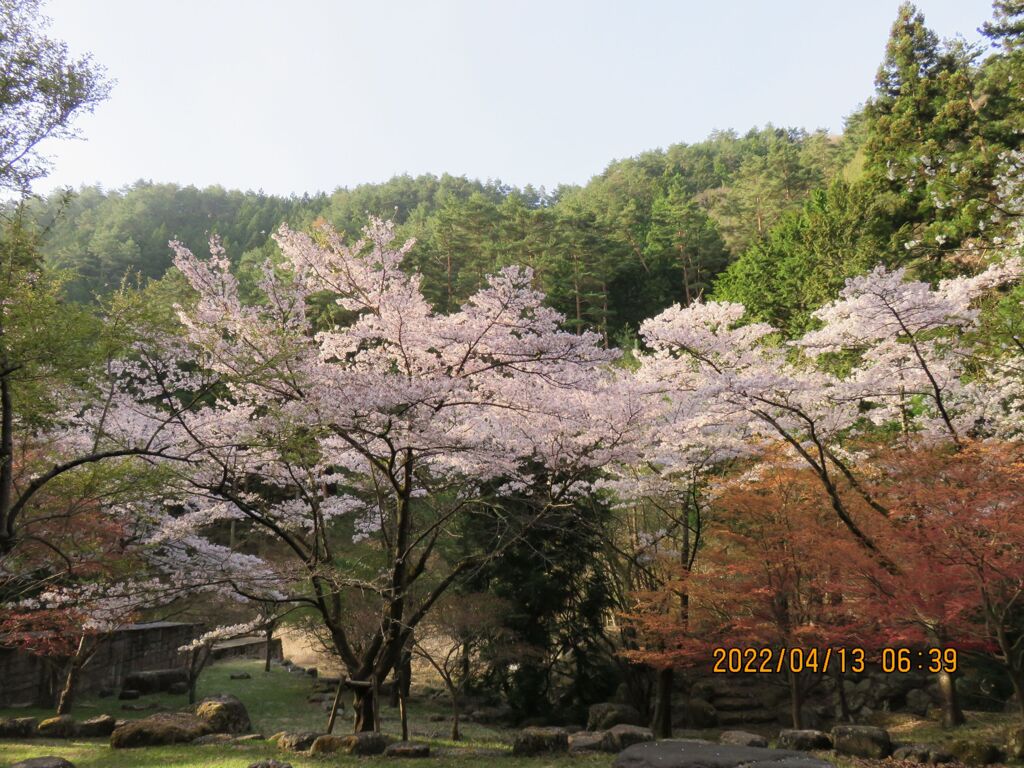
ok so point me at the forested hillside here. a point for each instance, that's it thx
(787, 214)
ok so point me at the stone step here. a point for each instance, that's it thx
(746, 717)
(735, 703)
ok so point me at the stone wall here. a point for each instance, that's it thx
(26, 679)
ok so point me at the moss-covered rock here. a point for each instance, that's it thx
(159, 730)
(974, 752)
(224, 714)
(536, 741)
(60, 727)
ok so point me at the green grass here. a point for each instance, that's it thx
(276, 701)
(980, 726)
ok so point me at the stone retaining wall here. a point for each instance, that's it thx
(26, 679)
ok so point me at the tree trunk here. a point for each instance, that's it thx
(456, 735)
(363, 705)
(406, 676)
(6, 464)
(952, 714)
(796, 700)
(662, 721)
(844, 705)
(270, 648)
(67, 694)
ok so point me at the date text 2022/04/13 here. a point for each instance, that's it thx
(773, 660)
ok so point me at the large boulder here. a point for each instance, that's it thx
(60, 727)
(43, 762)
(365, 743)
(694, 753)
(536, 741)
(407, 749)
(925, 754)
(154, 681)
(101, 725)
(804, 740)
(601, 717)
(159, 730)
(861, 741)
(742, 739)
(618, 737)
(295, 742)
(224, 714)
(974, 752)
(18, 727)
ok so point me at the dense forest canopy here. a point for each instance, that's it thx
(647, 232)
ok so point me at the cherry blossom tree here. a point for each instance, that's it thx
(900, 342)
(358, 445)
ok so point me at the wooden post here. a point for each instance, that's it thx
(376, 704)
(334, 707)
(403, 714)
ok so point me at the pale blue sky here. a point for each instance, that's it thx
(309, 95)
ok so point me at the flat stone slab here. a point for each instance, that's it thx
(694, 753)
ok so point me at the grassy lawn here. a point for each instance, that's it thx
(276, 702)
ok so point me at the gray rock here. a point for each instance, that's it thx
(601, 717)
(701, 714)
(241, 676)
(742, 739)
(619, 737)
(926, 754)
(861, 741)
(803, 740)
(693, 753)
(270, 764)
(177, 689)
(101, 725)
(224, 714)
(586, 741)
(18, 727)
(535, 741)
(490, 715)
(407, 749)
(155, 680)
(43, 762)
(128, 694)
(297, 742)
(213, 738)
